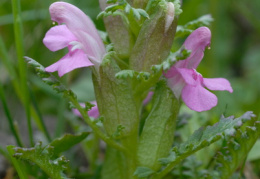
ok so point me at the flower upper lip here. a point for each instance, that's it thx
(77, 32)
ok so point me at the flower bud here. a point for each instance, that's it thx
(169, 16)
(119, 33)
(155, 39)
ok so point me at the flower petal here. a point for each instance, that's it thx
(196, 42)
(90, 46)
(187, 75)
(176, 83)
(198, 98)
(148, 98)
(93, 112)
(58, 37)
(220, 84)
(69, 62)
(75, 20)
(171, 72)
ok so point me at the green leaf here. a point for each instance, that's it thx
(67, 141)
(177, 7)
(124, 74)
(158, 131)
(143, 13)
(170, 158)
(142, 172)
(136, 14)
(204, 20)
(192, 25)
(254, 154)
(114, 166)
(41, 156)
(16, 163)
(55, 83)
(202, 138)
(140, 76)
(236, 150)
(127, 8)
(181, 54)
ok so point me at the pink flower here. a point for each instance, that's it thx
(148, 98)
(186, 82)
(77, 32)
(93, 112)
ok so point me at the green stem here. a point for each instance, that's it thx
(18, 32)
(9, 117)
(243, 167)
(95, 128)
(39, 116)
(61, 120)
(130, 143)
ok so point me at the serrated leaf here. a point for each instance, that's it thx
(143, 172)
(136, 14)
(181, 54)
(170, 158)
(124, 74)
(112, 8)
(40, 156)
(202, 138)
(213, 133)
(188, 28)
(127, 8)
(20, 169)
(67, 141)
(143, 13)
(237, 149)
(204, 20)
(177, 7)
(50, 79)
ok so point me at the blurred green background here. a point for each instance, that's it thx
(234, 54)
